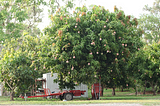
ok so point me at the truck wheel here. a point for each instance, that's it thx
(68, 96)
(60, 97)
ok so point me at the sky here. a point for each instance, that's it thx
(130, 7)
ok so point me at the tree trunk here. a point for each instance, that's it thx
(154, 92)
(113, 91)
(136, 93)
(11, 95)
(2, 89)
(154, 89)
(144, 92)
(102, 89)
(122, 89)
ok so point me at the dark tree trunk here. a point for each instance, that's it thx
(32, 91)
(102, 89)
(11, 95)
(144, 92)
(113, 91)
(122, 89)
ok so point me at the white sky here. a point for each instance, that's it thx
(130, 7)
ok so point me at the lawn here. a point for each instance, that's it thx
(121, 97)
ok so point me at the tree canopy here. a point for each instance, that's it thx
(89, 44)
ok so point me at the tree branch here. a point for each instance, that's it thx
(8, 84)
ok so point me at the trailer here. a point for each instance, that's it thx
(54, 87)
(67, 95)
(50, 89)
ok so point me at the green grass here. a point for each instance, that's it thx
(121, 97)
(145, 102)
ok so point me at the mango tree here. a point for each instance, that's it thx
(90, 44)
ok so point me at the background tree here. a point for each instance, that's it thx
(16, 72)
(89, 44)
(19, 15)
(38, 49)
(150, 23)
(22, 60)
(56, 4)
(146, 66)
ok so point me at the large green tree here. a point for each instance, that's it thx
(150, 23)
(89, 44)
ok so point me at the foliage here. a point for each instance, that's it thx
(23, 60)
(15, 70)
(38, 51)
(147, 65)
(150, 23)
(17, 16)
(89, 44)
(56, 4)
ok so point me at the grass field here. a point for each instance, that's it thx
(121, 97)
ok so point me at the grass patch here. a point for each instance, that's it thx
(145, 102)
(121, 97)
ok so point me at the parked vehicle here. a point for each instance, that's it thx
(49, 89)
(67, 95)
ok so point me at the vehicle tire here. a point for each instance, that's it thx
(68, 96)
(60, 97)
